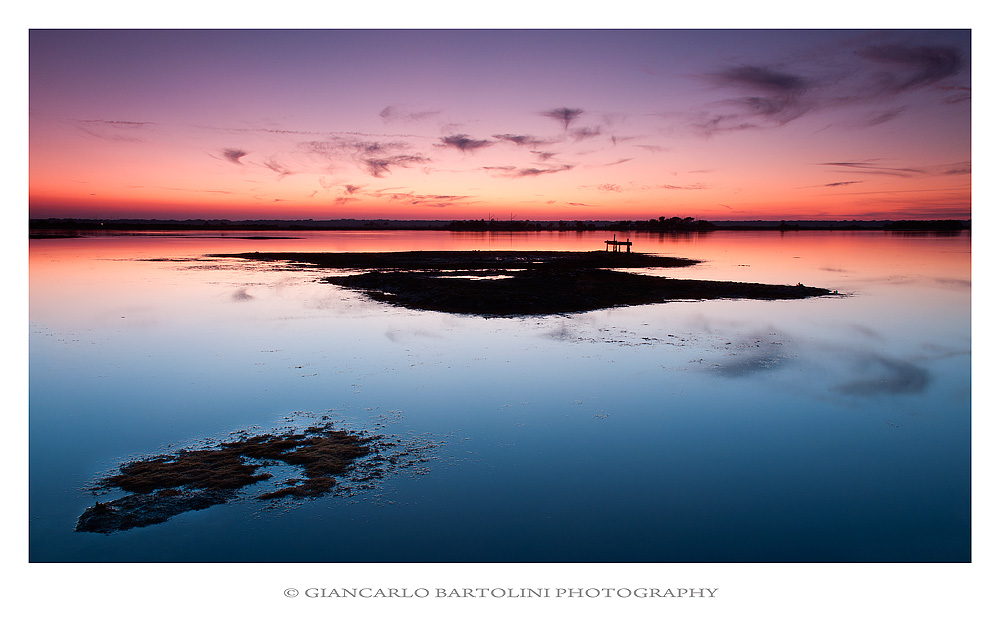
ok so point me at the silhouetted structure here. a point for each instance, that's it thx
(616, 244)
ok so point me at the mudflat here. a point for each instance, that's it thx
(513, 283)
(163, 486)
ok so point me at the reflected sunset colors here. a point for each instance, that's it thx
(843, 419)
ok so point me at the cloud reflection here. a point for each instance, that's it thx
(242, 295)
(746, 365)
(755, 354)
(884, 375)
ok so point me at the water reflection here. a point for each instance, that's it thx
(832, 429)
(752, 355)
(883, 375)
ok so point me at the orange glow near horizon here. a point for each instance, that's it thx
(265, 134)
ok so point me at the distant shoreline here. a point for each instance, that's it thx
(71, 227)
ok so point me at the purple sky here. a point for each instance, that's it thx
(537, 124)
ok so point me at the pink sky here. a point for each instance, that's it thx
(523, 124)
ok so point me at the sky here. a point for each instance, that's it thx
(535, 124)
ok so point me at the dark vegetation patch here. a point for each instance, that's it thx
(468, 260)
(521, 283)
(142, 509)
(162, 486)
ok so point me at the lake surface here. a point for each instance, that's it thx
(834, 429)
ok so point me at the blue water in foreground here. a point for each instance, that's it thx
(822, 430)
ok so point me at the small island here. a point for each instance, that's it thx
(330, 461)
(513, 283)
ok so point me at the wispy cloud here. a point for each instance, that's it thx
(639, 187)
(125, 124)
(423, 200)
(763, 79)
(840, 183)
(910, 67)
(584, 133)
(374, 157)
(393, 113)
(959, 93)
(379, 166)
(961, 168)
(615, 139)
(564, 115)
(115, 131)
(272, 164)
(522, 140)
(772, 95)
(620, 161)
(684, 187)
(327, 183)
(884, 116)
(464, 143)
(200, 191)
(234, 155)
(515, 172)
(869, 167)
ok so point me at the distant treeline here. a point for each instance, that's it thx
(690, 224)
(662, 224)
(222, 224)
(943, 225)
(522, 225)
(74, 226)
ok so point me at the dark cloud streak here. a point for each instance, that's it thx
(115, 131)
(870, 168)
(884, 117)
(374, 157)
(377, 167)
(584, 133)
(772, 96)
(277, 167)
(464, 143)
(234, 155)
(424, 200)
(516, 173)
(392, 113)
(913, 67)
(761, 79)
(521, 140)
(564, 115)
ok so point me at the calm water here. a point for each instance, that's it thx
(833, 429)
